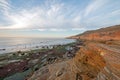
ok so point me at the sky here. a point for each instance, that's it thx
(56, 18)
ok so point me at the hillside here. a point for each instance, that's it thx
(109, 33)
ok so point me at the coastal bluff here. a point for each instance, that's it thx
(97, 59)
(103, 34)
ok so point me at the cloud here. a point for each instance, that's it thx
(55, 29)
(51, 16)
(78, 29)
(54, 15)
(94, 5)
(4, 5)
(108, 19)
(41, 29)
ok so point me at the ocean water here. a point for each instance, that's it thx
(15, 44)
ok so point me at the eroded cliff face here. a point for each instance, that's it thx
(89, 62)
(102, 36)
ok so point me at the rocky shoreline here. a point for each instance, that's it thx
(13, 65)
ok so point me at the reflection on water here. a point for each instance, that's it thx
(15, 44)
